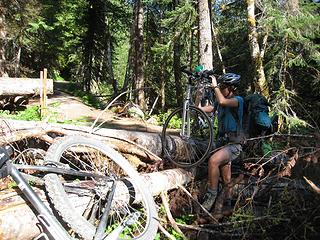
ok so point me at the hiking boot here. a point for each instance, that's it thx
(209, 199)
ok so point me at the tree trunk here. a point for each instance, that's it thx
(112, 80)
(177, 71)
(139, 56)
(147, 143)
(22, 86)
(205, 38)
(18, 221)
(261, 84)
(190, 54)
(17, 64)
(177, 65)
(128, 81)
(163, 86)
(88, 75)
(3, 34)
(216, 42)
(162, 74)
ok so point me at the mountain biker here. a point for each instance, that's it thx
(229, 108)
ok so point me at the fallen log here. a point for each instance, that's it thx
(18, 221)
(23, 86)
(143, 144)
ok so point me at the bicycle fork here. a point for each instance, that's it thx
(185, 130)
(45, 217)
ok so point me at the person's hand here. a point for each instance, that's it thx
(214, 81)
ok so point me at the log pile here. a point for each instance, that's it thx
(15, 92)
(264, 190)
(22, 223)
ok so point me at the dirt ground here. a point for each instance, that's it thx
(65, 107)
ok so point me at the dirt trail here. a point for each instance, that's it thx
(66, 107)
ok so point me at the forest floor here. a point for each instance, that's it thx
(66, 108)
(270, 199)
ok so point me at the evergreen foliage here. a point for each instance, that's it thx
(88, 42)
(292, 58)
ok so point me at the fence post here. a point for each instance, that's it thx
(43, 93)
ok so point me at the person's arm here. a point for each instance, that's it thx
(207, 108)
(229, 102)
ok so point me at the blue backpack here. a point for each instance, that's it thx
(256, 115)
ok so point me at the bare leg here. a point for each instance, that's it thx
(226, 177)
(218, 159)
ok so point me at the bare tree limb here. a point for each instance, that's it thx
(166, 233)
(205, 210)
(164, 198)
(312, 185)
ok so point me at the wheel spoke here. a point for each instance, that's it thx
(197, 144)
(95, 158)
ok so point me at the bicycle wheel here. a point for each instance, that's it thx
(191, 147)
(91, 194)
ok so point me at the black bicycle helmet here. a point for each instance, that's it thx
(229, 79)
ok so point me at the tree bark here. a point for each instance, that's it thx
(261, 84)
(108, 59)
(130, 61)
(177, 65)
(15, 130)
(139, 56)
(18, 221)
(205, 38)
(3, 34)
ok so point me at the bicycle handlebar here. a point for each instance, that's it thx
(188, 72)
(202, 74)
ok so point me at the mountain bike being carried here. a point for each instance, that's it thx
(229, 108)
(187, 135)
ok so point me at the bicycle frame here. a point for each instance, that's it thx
(52, 227)
(45, 217)
(185, 130)
(195, 126)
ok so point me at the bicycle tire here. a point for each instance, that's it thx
(199, 145)
(66, 209)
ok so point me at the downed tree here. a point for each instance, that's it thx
(17, 132)
(147, 146)
(18, 221)
(23, 86)
(261, 185)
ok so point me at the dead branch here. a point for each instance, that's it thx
(205, 210)
(291, 163)
(312, 185)
(164, 198)
(166, 233)
(280, 135)
(213, 232)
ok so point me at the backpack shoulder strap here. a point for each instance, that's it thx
(234, 114)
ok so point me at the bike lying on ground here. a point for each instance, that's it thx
(188, 126)
(92, 187)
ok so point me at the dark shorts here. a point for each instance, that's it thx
(234, 151)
